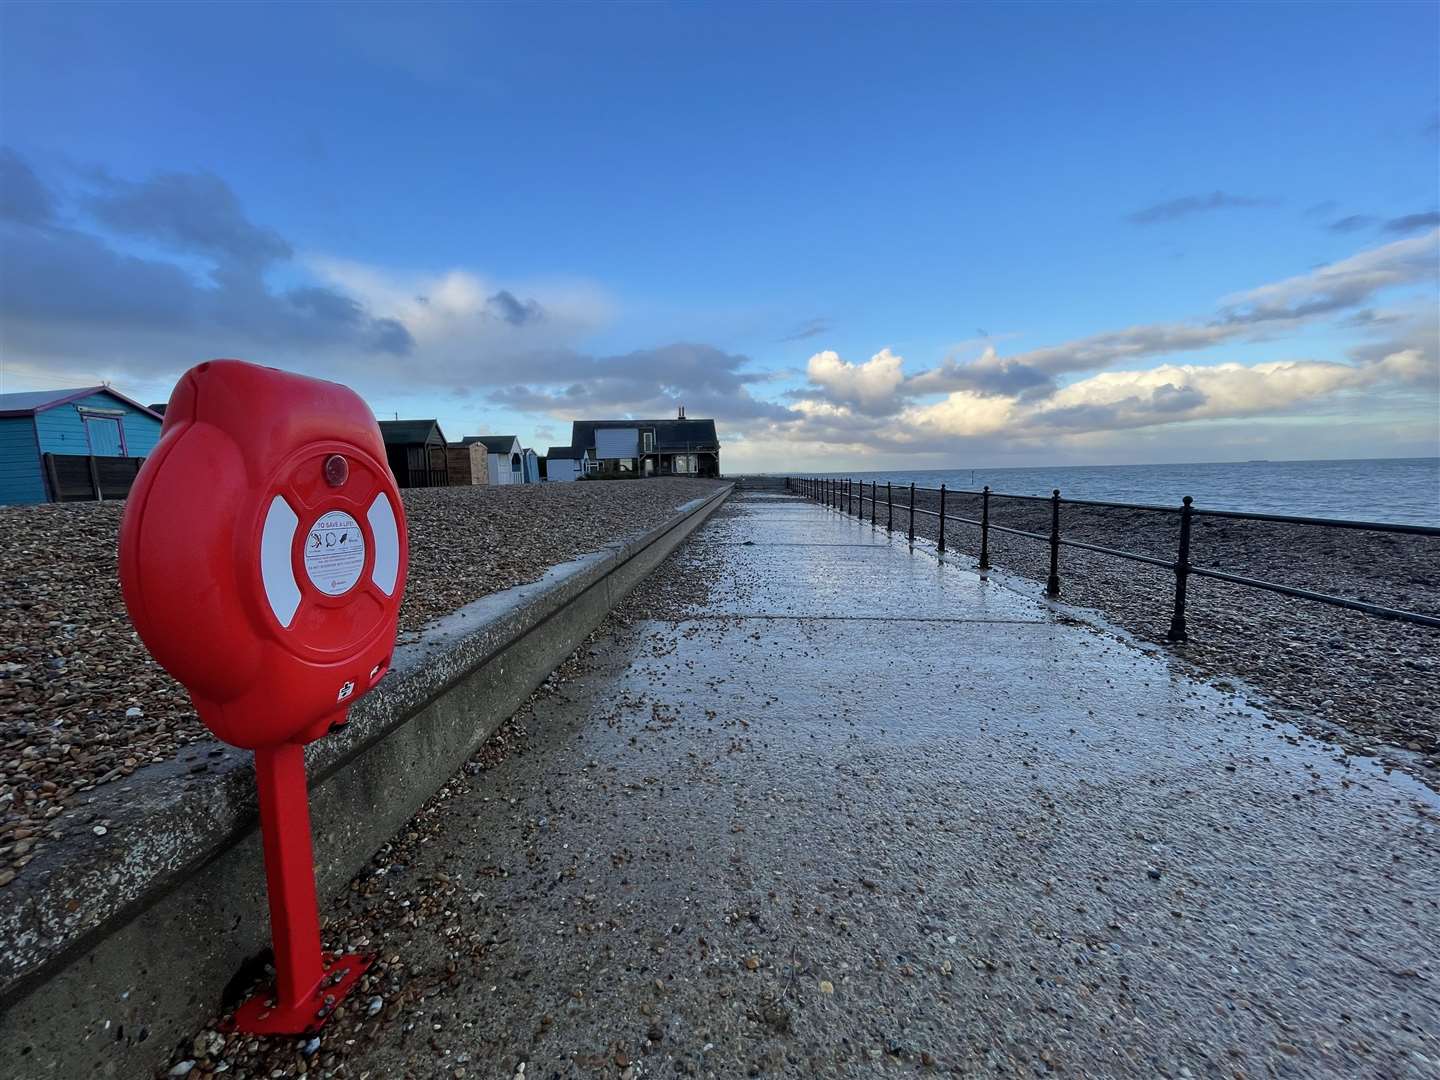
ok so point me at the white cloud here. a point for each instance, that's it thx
(870, 385)
(1174, 392)
(463, 324)
(1344, 284)
(962, 413)
(1018, 398)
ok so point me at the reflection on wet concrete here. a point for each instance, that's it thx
(860, 812)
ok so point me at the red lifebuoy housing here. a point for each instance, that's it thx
(263, 551)
(262, 560)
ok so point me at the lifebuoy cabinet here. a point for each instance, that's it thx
(262, 560)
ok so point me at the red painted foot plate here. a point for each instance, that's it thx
(264, 1015)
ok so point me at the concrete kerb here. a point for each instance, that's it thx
(112, 941)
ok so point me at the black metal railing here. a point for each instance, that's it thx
(842, 495)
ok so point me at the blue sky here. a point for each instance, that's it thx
(857, 235)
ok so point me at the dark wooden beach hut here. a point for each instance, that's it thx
(417, 452)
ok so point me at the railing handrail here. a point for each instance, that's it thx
(824, 488)
(1245, 515)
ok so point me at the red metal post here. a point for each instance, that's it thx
(308, 983)
(289, 870)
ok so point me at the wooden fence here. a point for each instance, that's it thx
(85, 477)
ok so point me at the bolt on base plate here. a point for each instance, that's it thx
(264, 1015)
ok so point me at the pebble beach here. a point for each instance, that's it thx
(81, 702)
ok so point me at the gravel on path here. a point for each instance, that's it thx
(83, 704)
(1371, 684)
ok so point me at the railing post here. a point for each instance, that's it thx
(942, 520)
(1182, 573)
(874, 503)
(985, 529)
(1052, 586)
(889, 506)
(912, 513)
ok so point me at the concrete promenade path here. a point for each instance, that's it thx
(860, 813)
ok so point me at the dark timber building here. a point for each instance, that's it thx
(678, 447)
(417, 452)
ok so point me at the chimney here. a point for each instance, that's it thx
(682, 413)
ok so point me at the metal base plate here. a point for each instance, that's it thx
(263, 1014)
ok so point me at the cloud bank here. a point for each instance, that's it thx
(142, 278)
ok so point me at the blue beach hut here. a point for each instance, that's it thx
(59, 445)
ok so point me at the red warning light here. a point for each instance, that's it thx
(337, 470)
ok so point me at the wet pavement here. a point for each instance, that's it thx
(860, 813)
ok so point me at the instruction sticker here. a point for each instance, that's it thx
(334, 553)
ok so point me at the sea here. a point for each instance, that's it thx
(1399, 490)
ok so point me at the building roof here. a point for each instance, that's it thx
(407, 432)
(670, 435)
(563, 452)
(497, 444)
(30, 402)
